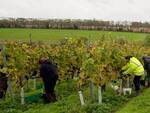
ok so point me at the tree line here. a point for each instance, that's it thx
(75, 24)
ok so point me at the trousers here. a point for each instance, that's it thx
(136, 82)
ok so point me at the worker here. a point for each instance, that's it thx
(146, 60)
(3, 85)
(3, 78)
(49, 74)
(134, 68)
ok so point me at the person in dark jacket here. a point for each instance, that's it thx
(49, 74)
(3, 79)
(3, 85)
(146, 60)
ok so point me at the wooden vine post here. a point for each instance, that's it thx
(22, 92)
(128, 82)
(120, 87)
(91, 89)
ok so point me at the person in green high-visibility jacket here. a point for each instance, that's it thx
(134, 67)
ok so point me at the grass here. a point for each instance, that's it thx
(139, 104)
(57, 34)
(56, 107)
(68, 101)
(71, 103)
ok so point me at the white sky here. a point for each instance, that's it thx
(130, 10)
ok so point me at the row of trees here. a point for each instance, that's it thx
(75, 24)
(75, 57)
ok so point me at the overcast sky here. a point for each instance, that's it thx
(131, 10)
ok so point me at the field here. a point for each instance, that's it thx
(51, 34)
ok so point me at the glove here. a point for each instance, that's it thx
(121, 76)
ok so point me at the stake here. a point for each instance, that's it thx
(120, 89)
(30, 36)
(91, 89)
(10, 89)
(34, 83)
(128, 82)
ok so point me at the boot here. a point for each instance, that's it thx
(1, 94)
(137, 92)
(53, 97)
(47, 98)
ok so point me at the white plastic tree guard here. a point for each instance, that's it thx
(22, 96)
(81, 98)
(99, 95)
